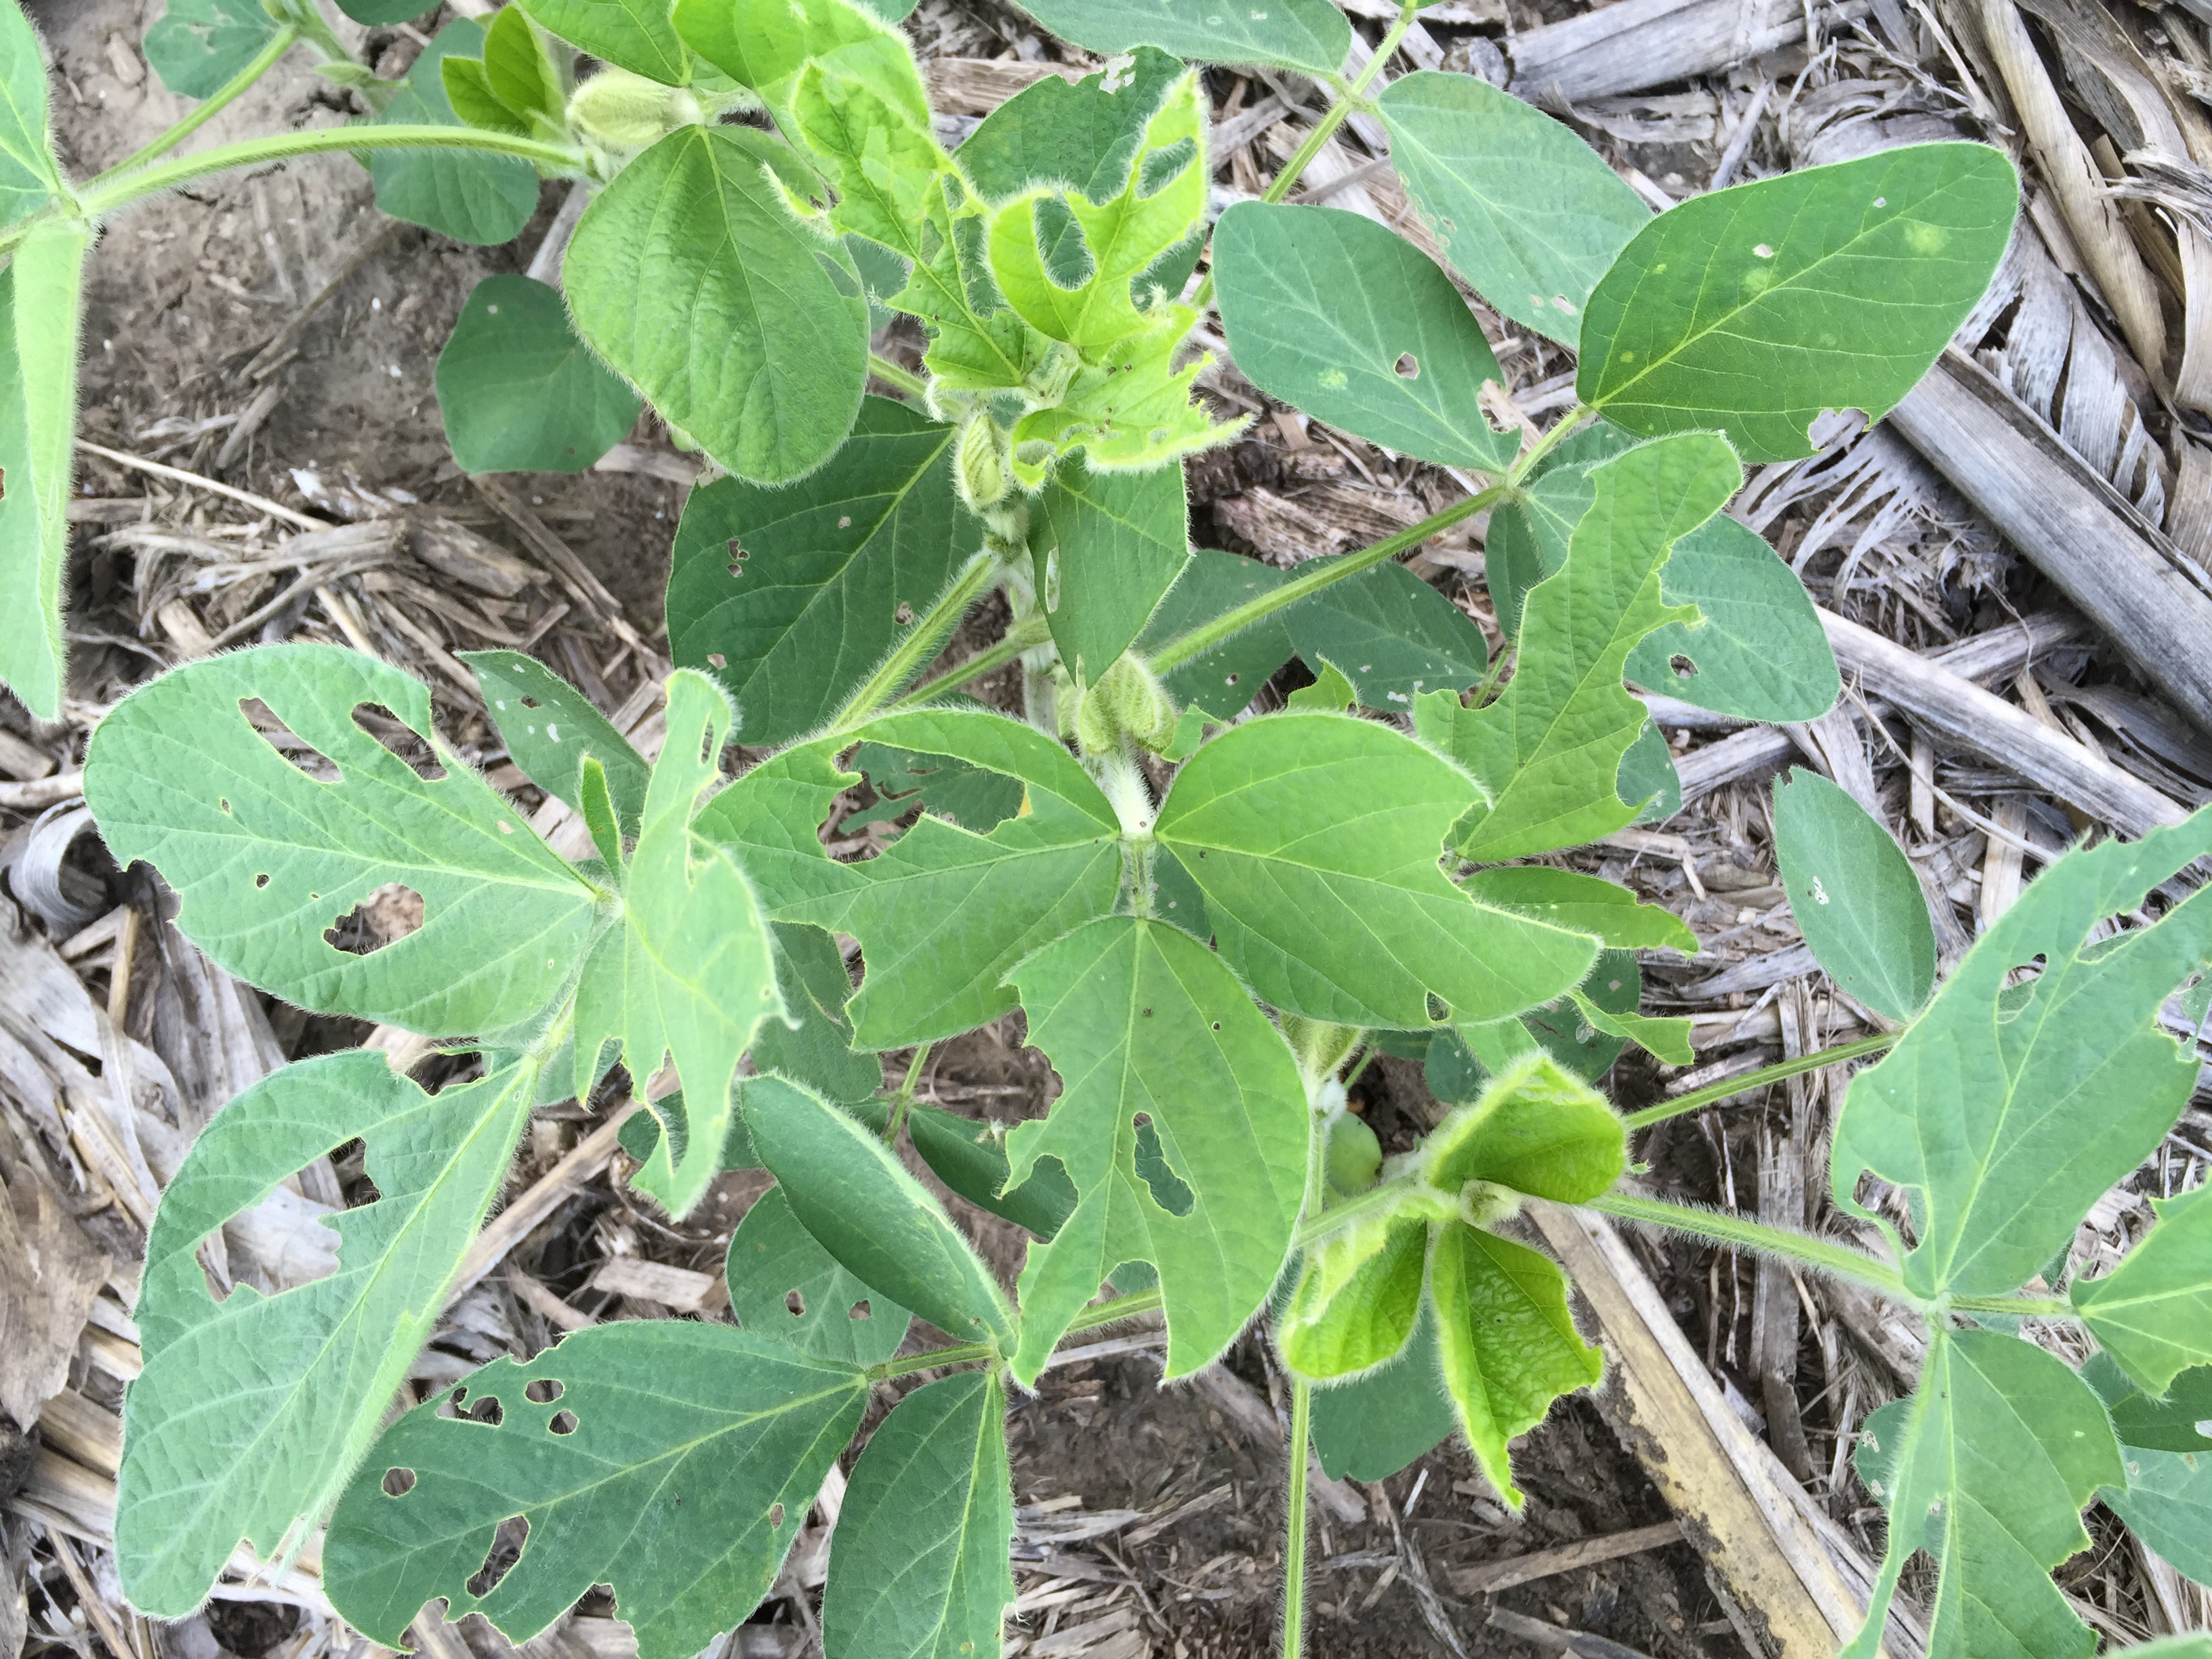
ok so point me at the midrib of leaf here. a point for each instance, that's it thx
(967, 1516)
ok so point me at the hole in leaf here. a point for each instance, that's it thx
(796, 1303)
(506, 1550)
(859, 1310)
(716, 660)
(261, 880)
(384, 917)
(1409, 366)
(737, 557)
(1683, 667)
(487, 1410)
(564, 1422)
(294, 748)
(1439, 1009)
(401, 738)
(542, 1390)
(531, 702)
(1231, 680)
(1168, 1189)
(775, 1515)
(397, 1483)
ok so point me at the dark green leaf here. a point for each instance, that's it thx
(467, 194)
(2168, 1504)
(971, 1158)
(1390, 633)
(549, 727)
(1855, 896)
(1108, 547)
(1304, 35)
(39, 312)
(1647, 777)
(810, 976)
(196, 45)
(2181, 1422)
(1082, 136)
(638, 36)
(1369, 1427)
(785, 1286)
(380, 11)
(520, 393)
(972, 797)
(1222, 681)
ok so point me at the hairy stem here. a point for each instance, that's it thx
(1202, 638)
(1019, 638)
(1294, 1521)
(1557, 434)
(924, 640)
(1697, 1099)
(1818, 1254)
(904, 1098)
(2021, 1307)
(1384, 52)
(892, 374)
(210, 106)
(969, 1353)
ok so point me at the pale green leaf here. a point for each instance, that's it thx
(918, 1566)
(1987, 1470)
(1108, 547)
(265, 856)
(1588, 904)
(688, 975)
(28, 174)
(469, 91)
(1370, 1426)
(196, 45)
(467, 194)
(791, 596)
(1315, 839)
(519, 391)
(39, 312)
(1182, 1123)
(1347, 320)
(1508, 1342)
(638, 36)
(1548, 750)
(1537, 1130)
(2152, 1313)
(762, 44)
(1667, 1039)
(1525, 211)
(2009, 1111)
(785, 1286)
(764, 359)
(670, 1461)
(853, 1195)
(1311, 35)
(1330, 693)
(1854, 895)
(254, 1410)
(519, 68)
(1082, 136)
(549, 726)
(1356, 1299)
(1756, 309)
(771, 817)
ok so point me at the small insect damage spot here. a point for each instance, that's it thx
(507, 1544)
(737, 557)
(795, 1304)
(397, 1482)
(1682, 667)
(904, 615)
(1408, 367)
(401, 740)
(860, 1310)
(388, 915)
(564, 1422)
(1168, 1190)
(716, 660)
(775, 1515)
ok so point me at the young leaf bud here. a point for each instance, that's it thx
(623, 111)
(979, 465)
(1128, 700)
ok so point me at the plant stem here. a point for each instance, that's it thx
(1294, 1521)
(1319, 1223)
(1385, 51)
(923, 641)
(1019, 638)
(1697, 1099)
(892, 374)
(109, 192)
(1556, 434)
(2022, 1307)
(1199, 640)
(1818, 1254)
(904, 1098)
(967, 1354)
(210, 106)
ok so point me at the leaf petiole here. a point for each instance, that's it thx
(209, 107)
(969, 1353)
(1294, 1524)
(1697, 1099)
(892, 374)
(1022, 636)
(924, 638)
(1738, 1232)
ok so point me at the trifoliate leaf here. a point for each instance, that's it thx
(785, 1287)
(918, 1567)
(1755, 309)
(1547, 751)
(1526, 211)
(468, 195)
(254, 1410)
(853, 1195)
(1370, 1426)
(765, 360)
(1536, 1129)
(196, 45)
(549, 726)
(672, 1462)
(2009, 1111)
(1181, 1122)
(1304, 35)
(1459, 1062)
(1315, 839)
(1854, 895)
(790, 596)
(1588, 904)
(1508, 1342)
(1356, 1299)
(637, 35)
(1108, 547)
(519, 391)
(1354, 324)
(2152, 1313)
(39, 311)
(266, 856)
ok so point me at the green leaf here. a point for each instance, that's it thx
(785, 1286)
(1461, 1061)
(1305, 34)
(1330, 693)
(196, 45)
(1537, 1130)
(790, 596)
(811, 977)
(919, 1566)
(763, 360)
(39, 312)
(771, 818)
(1526, 211)
(29, 177)
(520, 393)
(762, 44)
(687, 975)
(469, 92)
(1755, 309)
(971, 1158)
(1548, 750)
(1587, 904)
(1370, 1426)
(1108, 547)
(1315, 839)
(2152, 1313)
(2009, 1111)
(1667, 1039)
(2167, 1503)
(1356, 1299)
(1508, 1342)
(518, 71)
(254, 1410)
(1987, 1471)
(1354, 324)
(264, 857)
(1082, 136)
(853, 1195)
(1390, 633)
(379, 11)
(1854, 895)
(1647, 776)
(467, 194)
(638, 36)
(1182, 1123)
(549, 726)
(2176, 1423)
(1223, 680)
(972, 797)
(942, 914)
(672, 1462)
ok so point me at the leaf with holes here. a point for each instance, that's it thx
(1106, 547)
(2181, 1421)
(763, 43)
(786, 1286)
(973, 797)
(1459, 1062)
(1082, 136)
(1979, 1110)
(638, 36)
(468, 195)
(687, 975)
(1755, 309)
(1588, 904)
(1854, 895)
(549, 726)
(919, 1565)
(41, 293)
(1356, 1299)
(266, 857)
(254, 1410)
(1341, 317)
(670, 1461)
(790, 596)
(1315, 839)
(196, 45)
(1311, 35)
(818, 1051)
(1181, 1122)
(2152, 1313)
(763, 362)
(520, 393)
